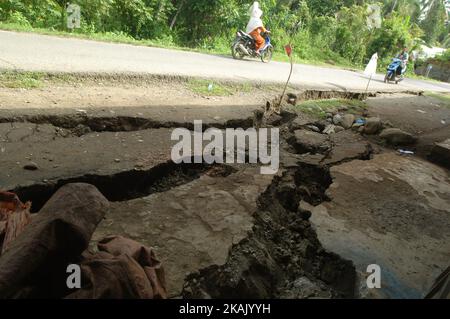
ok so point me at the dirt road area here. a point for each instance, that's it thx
(344, 197)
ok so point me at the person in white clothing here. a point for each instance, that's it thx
(256, 26)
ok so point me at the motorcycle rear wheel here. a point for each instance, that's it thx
(236, 53)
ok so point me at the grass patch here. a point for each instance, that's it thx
(443, 97)
(21, 80)
(318, 58)
(212, 88)
(319, 108)
(206, 87)
(412, 75)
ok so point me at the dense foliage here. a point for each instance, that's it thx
(333, 30)
(444, 57)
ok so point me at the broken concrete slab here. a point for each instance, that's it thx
(299, 122)
(305, 141)
(192, 226)
(37, 133)
(397, 137)
(347, 146)
(347, 121)
(440, 153)
(134, 118)
(281, 249)
(395, 216)
(373, 126)
(94, 154)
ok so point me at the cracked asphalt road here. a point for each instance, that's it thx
(34, 52)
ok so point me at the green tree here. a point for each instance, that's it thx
(434, 20)
(325, 7)
(352, 33)
(397, 32)
(330, 29)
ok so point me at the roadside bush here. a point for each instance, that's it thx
(323, 30)
(39, 13)
(444, 57)
(396, 33)
(19, 19)
(331, 30)
(351, 33)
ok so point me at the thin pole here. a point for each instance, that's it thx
(287, 83)
(368, 83)
(291, 60)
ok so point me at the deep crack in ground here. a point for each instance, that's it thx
(281, 256)
(281, 252)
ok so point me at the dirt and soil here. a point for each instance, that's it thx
(339, 202)
(84, 91)
(427, 117)
(396, 216)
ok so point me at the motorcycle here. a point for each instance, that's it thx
(395, 71)
(244, 45)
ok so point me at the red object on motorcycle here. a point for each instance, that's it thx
(288, 49)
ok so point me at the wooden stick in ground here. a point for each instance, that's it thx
(277, 108)
(287, 83)
(368, 83)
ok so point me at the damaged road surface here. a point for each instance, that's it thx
(191, 226)
(391, 211)
(339, 203)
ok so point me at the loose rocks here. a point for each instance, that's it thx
(441, 153)
(347, 121)
(395, 136)
(31, 166)
(306, 141)
(373, 126)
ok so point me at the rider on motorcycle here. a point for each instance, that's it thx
(404, 57)
(255, 26)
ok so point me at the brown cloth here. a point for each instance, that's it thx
(123, 269)
(60, 232)
(14, 216)
(9, 203)
(259, 40)
(35, 262)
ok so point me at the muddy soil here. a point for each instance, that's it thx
(414, 114)
(392, 211)
(426, 117)
(282, 257)
(193, 225)
(228, 232)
